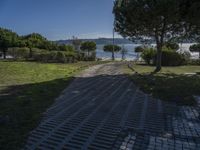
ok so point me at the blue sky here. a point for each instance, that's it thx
(58, 19)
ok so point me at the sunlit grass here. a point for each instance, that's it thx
(27, 89)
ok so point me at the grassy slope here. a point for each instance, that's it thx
(26, 90)
(170, 84)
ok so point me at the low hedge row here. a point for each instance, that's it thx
(43, 55)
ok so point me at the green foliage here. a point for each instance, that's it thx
(10, 39)
(76, 43)
(19, 53)
(194, 62)
(195, 48)
(139, 49)
(148, 55)
(158, 19)
(68, 48)
(60, 56)
(90, 48)
(27, 90)
(7, 39)
(172, 45)
(54, 56)
(110, 48)
(171, 58)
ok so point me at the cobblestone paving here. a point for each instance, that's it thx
(102, 109)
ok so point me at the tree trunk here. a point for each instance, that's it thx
(88, 55)
(199, 54)
(4, 54)
(159, 59)
(113, 55)
(30, 53)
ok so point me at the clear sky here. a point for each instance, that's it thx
(58, 19)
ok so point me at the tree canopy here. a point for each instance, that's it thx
(139, 49)
(88, 47)
(112, 48)
(195, 48)
(160, 19)
(172, 45)
(7, 39)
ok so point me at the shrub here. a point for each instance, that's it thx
(195, 48)
(54, 56)
(60, 57)
(194, 62)
(19, 53)
(172, 58)
(148, 55)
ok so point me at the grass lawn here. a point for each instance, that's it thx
(171, 84)
(27, 89)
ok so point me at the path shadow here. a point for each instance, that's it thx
(22, 106)
(170, 87)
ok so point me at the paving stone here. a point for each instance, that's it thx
(102, 109)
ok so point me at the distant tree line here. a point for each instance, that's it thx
(36, 47)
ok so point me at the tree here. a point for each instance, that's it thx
(34, 40)
(139, 49)
(148, 55)
(88, 46)
(76, 43)
(155, 18)
(195, 48)
(7, 39)
(124, 51)
(112, 48)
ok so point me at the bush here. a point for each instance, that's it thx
(194, 62)
(172, 58)
(53, 56)
(169, 57)
(60, 57)
(19, 53)
(148, 55)
(195, 48)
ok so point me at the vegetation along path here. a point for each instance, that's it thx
(103, 109)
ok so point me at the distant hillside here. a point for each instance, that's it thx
(99, 41)
(103, 41)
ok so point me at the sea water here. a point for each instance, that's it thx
(131, 55)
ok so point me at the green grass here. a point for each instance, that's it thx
(27, 89)
(171, 84)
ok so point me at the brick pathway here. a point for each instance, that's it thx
(102, 109)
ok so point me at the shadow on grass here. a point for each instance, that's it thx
(170, 87)
(21, 108)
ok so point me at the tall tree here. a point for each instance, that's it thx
(7, 39)
(155, 18)
(124, 51)
(76, 43)
(88, 46)
(112, 48)
(34, 40)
